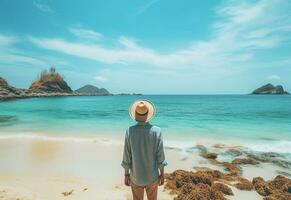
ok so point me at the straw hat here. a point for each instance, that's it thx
(142, 110)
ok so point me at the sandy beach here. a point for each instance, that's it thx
(46, 168)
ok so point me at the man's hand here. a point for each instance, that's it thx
(127, 180)
(161, 179)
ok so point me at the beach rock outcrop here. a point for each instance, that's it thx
(270, 158)
(197, 185)
(213, 184)
(209, 155)
(245, 161)
(222, 188)
(92, 90)
(244, 184)
(270, 89)
(199, 191)
(50, 81)
(279, 188)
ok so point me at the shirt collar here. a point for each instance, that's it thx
(143, 123)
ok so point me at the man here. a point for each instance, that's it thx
(143, 156)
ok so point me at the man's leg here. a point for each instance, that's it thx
(137, 192)
(152, 191)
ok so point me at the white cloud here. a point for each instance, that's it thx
(131, 52)
(13, 58)
(42, 6)
(100, 78)
(7, 40)
(128, 42)
(10, 55)
(242, 29)
(274, 77)
(85, 33)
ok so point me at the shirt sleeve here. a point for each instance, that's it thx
(126, 162)
(160, 153)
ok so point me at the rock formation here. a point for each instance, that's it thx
(209, 184)
(50, 82)
(270, 89)
(9, 92)
(92, 90)
(197, 185)
(279, 188)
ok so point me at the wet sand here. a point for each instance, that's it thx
(40, 168)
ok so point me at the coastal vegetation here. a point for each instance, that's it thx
(50, 75)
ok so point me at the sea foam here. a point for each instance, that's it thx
(279, 146)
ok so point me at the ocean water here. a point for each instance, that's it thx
(263, 121)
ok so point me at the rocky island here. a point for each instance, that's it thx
(270, 89)
(50, 83)
(91, 90)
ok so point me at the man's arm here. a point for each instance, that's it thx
(126, 172)
(161, 159)
(161, 177)
(126, 162)
(126, 177)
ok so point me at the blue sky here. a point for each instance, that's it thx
(149, 46)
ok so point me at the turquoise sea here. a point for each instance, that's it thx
(263, 121)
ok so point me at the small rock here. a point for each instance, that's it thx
(68, 193)
(209, 155)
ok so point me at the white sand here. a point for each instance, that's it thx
(43, 168)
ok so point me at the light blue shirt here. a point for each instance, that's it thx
(143, 153)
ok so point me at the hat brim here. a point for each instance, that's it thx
(150, 106)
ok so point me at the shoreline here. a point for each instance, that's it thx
(170, 141)
(67, 164)
(45, 95)
(58, 94)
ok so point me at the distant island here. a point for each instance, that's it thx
(92, 90)
(270, 89)
(48, 84)
(51, 83)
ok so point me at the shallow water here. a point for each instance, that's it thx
(264, 122)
